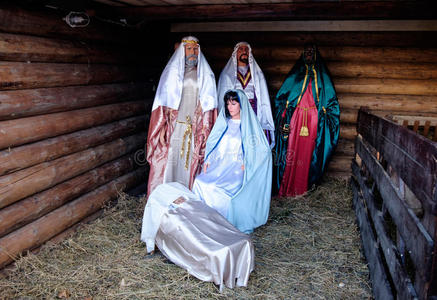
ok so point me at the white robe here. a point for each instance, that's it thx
(196, 237)
(228, 80)
(224, 176)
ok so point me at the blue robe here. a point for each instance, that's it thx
(249, 206)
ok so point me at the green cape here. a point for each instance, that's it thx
(328, 127)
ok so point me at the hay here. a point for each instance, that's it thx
(310, 248)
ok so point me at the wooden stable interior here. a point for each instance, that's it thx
(74, 102)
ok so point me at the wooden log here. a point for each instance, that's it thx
(26, 48)
(400, 278)
(41, 230)
(50, 23)
(348, 132)
(342, 175)
(340, 163)
(417, 240)
(389, 103)
(24, 183)
(209, 40)
(345, 147)
(380, 284)
(307, 26)
(357, 70)
(17, 75)
(289, 54)
(31, 154)
(348, 116)
(25, 103)
(386, 86)
(26, 130)
(433, 279)
(375, 86)
(330, 10)
(29, 209)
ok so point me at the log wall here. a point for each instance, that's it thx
(73, 105)
(391, 72)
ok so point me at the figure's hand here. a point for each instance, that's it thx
(179, 200)
(242, 167)
(162, 137)
(205, 167)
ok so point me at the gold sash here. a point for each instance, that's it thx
(187, 134)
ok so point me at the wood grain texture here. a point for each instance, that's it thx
(24, 183)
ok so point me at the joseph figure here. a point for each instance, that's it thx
(183, 113)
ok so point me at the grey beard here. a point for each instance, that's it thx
(191, 62)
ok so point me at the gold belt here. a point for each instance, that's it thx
(187, 134)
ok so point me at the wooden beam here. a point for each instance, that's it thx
(18, 75)
(18, 158)
(324, 39)
(381, 286)
(21, 184)
(30, 102)
(412, 156)
(375, 86)
(290, 53)
(417, 239)
(338, 10)
(36, 233)
(400, 278)
(324, 25)
(17, 47)
(25, 130)
(386, 70)
(44, 22)
(29, 209)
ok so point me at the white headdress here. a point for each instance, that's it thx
(228, 80)
(169, 90)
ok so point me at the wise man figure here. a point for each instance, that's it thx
(183, 113)
(242, 72)
(308, 125)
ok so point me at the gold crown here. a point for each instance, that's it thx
(190, 41)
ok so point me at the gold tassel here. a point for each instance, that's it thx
(304, 129)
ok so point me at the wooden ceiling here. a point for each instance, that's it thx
(188, 2)
(260, 10)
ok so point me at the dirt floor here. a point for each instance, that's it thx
(309, 249)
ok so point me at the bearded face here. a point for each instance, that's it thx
(191, 53)
(243, 55)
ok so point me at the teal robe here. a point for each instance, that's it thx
(325, 99)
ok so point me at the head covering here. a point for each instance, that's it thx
(326, 101)
(249, 207)
(228, 80)
(169, 90)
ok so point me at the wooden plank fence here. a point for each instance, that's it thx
(395, 198)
